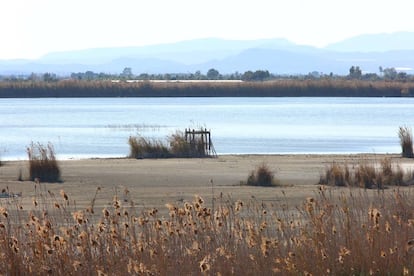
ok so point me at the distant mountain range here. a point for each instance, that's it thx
(279, 56)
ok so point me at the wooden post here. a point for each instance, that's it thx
(209, 141)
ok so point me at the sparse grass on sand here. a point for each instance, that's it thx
(352, 233)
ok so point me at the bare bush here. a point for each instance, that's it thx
(262, 176)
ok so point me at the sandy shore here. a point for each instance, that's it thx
(152, 183)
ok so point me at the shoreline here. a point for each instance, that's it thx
(155, 182)
(81, 158)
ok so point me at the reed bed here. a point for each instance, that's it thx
(274, 88)
(351, 233)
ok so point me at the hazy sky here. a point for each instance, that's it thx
(31, 28)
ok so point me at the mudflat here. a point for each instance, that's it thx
(152, 183)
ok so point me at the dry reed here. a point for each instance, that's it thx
(43, 164)
(357, 233)
(366, 175)
(281, 87)
(406, 141)
(178, 147)
(141, 147)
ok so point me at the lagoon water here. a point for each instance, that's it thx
(100, 127)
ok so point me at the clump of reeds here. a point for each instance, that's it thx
(365, 175)
(392, 175)
(180, 147)
(43, 165)
(141, 147)
(406, 141)
(349, 234)
(262, 176)
(177, 146)
(336, 175)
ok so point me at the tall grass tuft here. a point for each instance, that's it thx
(336, 175)
(262, 176)
(43, 165)
(391, 176)
(180, 147)
(365, 175)
(406, 141)
(141, 147)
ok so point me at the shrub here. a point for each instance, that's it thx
(42, 163)
(406, 141)
(263, 176)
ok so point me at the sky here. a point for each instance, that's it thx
(32, 28)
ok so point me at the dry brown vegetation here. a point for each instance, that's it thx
(366, 175)
(141, 147)
(350, 234)
(42, 163)
(285, 87)
(406, 141)
(177, 147)
(262, 176)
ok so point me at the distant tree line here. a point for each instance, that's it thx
(390, 74)
(355, 73)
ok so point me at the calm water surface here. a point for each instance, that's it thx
(100, 127)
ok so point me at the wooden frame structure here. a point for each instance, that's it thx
(202, 136)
